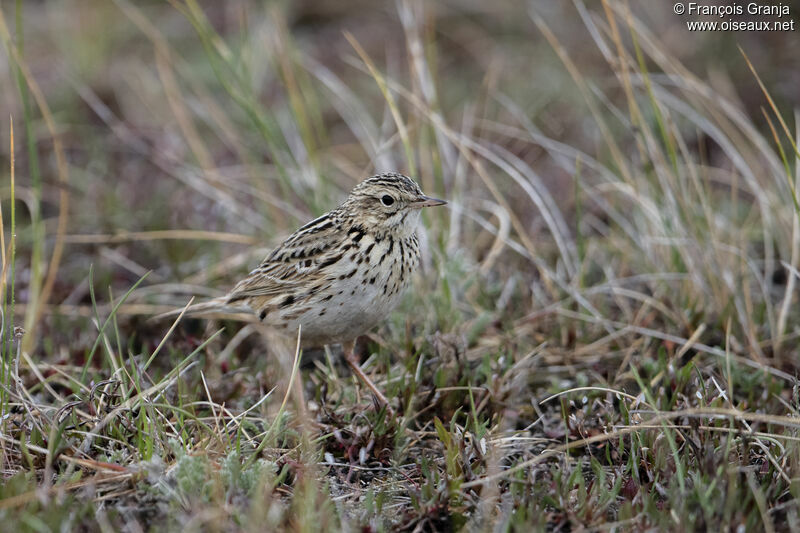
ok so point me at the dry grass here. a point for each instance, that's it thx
(603, 335)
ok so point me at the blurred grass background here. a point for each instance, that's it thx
(623, 226)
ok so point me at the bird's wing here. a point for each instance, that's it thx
(297, 263)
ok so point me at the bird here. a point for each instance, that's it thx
(339, 275)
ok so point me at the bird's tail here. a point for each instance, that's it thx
(217, 308)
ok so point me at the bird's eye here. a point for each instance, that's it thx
(387, 200)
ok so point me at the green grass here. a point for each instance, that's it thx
(603, 333)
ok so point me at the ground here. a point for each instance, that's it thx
(602, 335)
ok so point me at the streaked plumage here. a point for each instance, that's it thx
(342, 273)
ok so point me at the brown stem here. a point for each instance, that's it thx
(350, 357)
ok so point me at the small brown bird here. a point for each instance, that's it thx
(342, 273)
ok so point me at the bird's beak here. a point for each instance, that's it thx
(426, 201)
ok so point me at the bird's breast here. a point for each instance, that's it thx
(358, 292)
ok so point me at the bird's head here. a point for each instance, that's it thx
(390, 202)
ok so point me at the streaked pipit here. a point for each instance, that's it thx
(342, 273)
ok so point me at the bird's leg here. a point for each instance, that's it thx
(352, 361)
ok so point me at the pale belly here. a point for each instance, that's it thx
(346, 316)
(354, 305)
